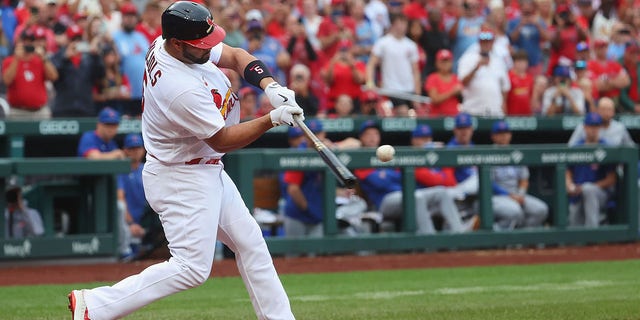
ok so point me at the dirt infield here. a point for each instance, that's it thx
(109, 272)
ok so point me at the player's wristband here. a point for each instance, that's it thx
(255, 71)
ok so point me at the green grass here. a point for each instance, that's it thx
(597, 290)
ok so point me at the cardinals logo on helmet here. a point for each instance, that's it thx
(211, 25)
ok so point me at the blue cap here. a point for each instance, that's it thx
(582, 46)
(109, 116)
(133, 140)
(368, 124)
(464, 120)
(421, 131)
(500, 126)
(592, 119)
(295, 132)
(315, 125)
(562, 71)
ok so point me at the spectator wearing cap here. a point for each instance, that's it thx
(132, 47)
(562, 98)
(397, 57)
(100, 143)
(39, 20)
(521, 93)
(464, 31)
(612, 131)
(149, 24)
(630, 96)
(466, 176)
(527, 32)
(564, 38)
(300, 83)
(304, 207)
(443, 87)
(266, 48)
(608, 76)
(20, 221)
(512, 206)
(369, 103)
(25, 74)
(343, 75)
(583, 81)
(583, 51)
(589, 186)
(295, 137)
(138, 216)
(81, 69)
(485, 79)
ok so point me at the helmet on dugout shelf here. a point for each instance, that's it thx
(192, 23)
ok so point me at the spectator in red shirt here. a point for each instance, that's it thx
(25, 73)
(343, 75)
(336, 26)
(277, 24)
(519, 97)
(608, 76)
(416, 10)
(630, 96)
(149, 24)
(565, 36)
(443, 86)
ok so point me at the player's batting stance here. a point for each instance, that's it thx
(190, 119)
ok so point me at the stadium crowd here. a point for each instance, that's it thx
(71, 58)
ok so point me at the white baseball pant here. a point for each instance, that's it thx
(586, 212)
(196, 203)
(508, 213)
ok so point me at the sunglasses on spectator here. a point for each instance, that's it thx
(581, 64)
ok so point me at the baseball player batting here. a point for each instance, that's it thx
(190, 119)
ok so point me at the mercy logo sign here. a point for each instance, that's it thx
(90, 247)
(20, 250)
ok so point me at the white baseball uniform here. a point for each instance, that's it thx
(185, 183)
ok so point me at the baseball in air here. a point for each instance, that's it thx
(385, 153)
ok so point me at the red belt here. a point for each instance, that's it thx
(203, 161)
(197, 160)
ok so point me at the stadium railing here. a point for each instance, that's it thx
(243, 165)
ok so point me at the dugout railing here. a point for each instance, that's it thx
(622, 227)
(59, 137)
(88, 190)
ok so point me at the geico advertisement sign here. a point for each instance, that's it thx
(59, 127)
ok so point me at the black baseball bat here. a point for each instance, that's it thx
(341, 172)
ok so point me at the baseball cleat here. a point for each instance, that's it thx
(77, 306)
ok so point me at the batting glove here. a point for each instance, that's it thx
(279, 95)
(284, 115)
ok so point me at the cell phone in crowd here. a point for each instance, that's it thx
(82, 47)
